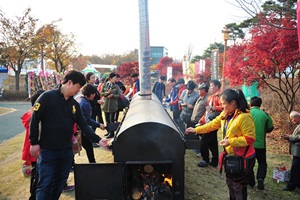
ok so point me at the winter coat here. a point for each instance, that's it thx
(110, 104)
(240, 132)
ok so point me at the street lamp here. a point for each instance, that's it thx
(225, 32)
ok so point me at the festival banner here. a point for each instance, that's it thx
(215, 64)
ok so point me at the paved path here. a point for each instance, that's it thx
(10, 123)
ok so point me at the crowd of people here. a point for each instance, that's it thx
(54, 118)
(243, 125)
(201, 109)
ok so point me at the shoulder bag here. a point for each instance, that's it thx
(234, 165)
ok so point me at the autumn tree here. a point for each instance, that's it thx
(259, 12)
(270, 53)
(164, 62)
(17, 41)
(60, 48)
(126, 69)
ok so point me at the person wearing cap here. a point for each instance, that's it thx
(181, 87)
(187, 101)
(199, 108)
(210, 141)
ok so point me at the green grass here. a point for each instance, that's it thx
(200, 183)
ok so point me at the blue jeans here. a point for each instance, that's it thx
(53, 171)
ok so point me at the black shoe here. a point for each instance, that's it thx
(251, 183)
(110, 135)
(214, 164)
(95, 145)
(260, 185)
(202, 164)
(288, 189)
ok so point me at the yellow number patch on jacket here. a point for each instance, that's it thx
(74, 109)
(37, 106)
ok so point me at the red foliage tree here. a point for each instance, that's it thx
(177, 70)
(126, 69)
(164, 62)
(168, 62)
(271, 53)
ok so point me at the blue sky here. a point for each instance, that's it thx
(112, 26)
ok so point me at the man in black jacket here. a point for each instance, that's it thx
(56, 111)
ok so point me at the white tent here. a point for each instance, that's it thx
(90, 68)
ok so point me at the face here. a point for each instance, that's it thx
(202, 92)
(213, 88)
(73, 89)
(113, 79)
(228, 107)
(190, 91)
(92, 79)
(295, 119)
(91, 97)
(134, 79)
(171, 84)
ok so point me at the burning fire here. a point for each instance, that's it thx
(167, 180)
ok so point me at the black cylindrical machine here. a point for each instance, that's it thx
(148, 138)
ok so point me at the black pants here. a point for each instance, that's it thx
(87, 145)
(33, 181)
(210, 142)
(295, 173)
(238, 185)
(110, 118)
(260, 155)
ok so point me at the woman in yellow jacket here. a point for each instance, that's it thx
(238, 131)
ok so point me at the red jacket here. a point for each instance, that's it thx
(25, 119)
(179, 94)
(215, 98)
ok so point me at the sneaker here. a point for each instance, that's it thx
(68, 188)
(95, 145)
(196, 150)
(260, 184)
(72, 169)
(199, 155)
(202, 164)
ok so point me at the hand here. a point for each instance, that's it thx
(104, 144)
(190, 106)
(101, 101)
(190, 130)
(35, 150)
(101, 126)
(285, 136)
(183, 105)
(225, 142)
(213, 108)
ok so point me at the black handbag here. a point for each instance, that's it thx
(213, 115)
(234, 165)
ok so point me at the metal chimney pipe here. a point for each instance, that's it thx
(144, 51)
